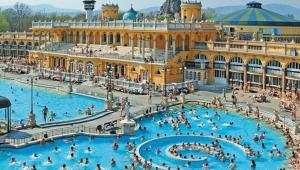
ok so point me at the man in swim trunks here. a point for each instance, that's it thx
(45, 113)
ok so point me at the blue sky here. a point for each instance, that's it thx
(140, 4)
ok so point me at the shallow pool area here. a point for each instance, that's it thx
(64, 106)
(153, 142)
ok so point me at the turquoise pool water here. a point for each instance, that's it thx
(59, 103)
(147, 144)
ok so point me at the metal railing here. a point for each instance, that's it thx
(55, 133)
(152, 25)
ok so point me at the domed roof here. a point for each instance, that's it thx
(4, 102)
(131, 14)
(255, 15)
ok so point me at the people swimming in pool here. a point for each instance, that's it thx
(88, 150)
(210, 121)
(35, 156)
(86, 161)
(13, 161)
(115, 146)
(157, 151)
(81, 162)
(70, 156)
(24, 166)
(98, 167)
(205, 166)
(49, 160)
(113, 163)
(253, 164)
(63, 167)
(56, 149)
(206, 114)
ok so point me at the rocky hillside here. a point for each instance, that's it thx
(170, 7)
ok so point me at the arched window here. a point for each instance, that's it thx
(89, 68)
(274, 64)
(274, 67)
(254, 62)
(72, 66)
(201, 57)
(293, 70)
(80, 66)
(237, 61)
(293, 67)
(219, 59)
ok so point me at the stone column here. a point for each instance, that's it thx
(87, 38)
(68, 37)
(81, 37)
(122, 39)
(100, 38)
(114, 38)
(40, 39)
(227, 72)
(107, 39)
(154, 47)
(202, 76)
(143, 46)
(283, 82)
(174, 46)
(166, 49)
(94, 38)
(148, 45)
(264, 78)
(140, 44)
(183, 44)
(132, 46)
(245, 75)
(75, 37)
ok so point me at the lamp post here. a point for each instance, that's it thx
(109, 84)
(70, 77)
(32, 121)
(109, 95)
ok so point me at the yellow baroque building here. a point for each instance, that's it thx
(139, 50)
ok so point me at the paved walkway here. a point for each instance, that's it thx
(138, 102)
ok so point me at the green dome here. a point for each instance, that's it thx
(255, 15)
(130, 15)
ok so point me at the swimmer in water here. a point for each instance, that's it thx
(80, 161)
(70, 156)
(87, 161)
(49, 160)
(35, 156)
(257, 126)
(56, 149)
(88, 150)
(98, 167)
(24, 166)
(64, 167)
(13, 160)
(113, 162)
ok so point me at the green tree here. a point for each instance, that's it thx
(4, 26)
(209, 14)
(79, 17)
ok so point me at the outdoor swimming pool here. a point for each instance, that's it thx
(147, 143)
(59, 103)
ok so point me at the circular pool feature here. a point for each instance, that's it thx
(179, 153)
(199, 146)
